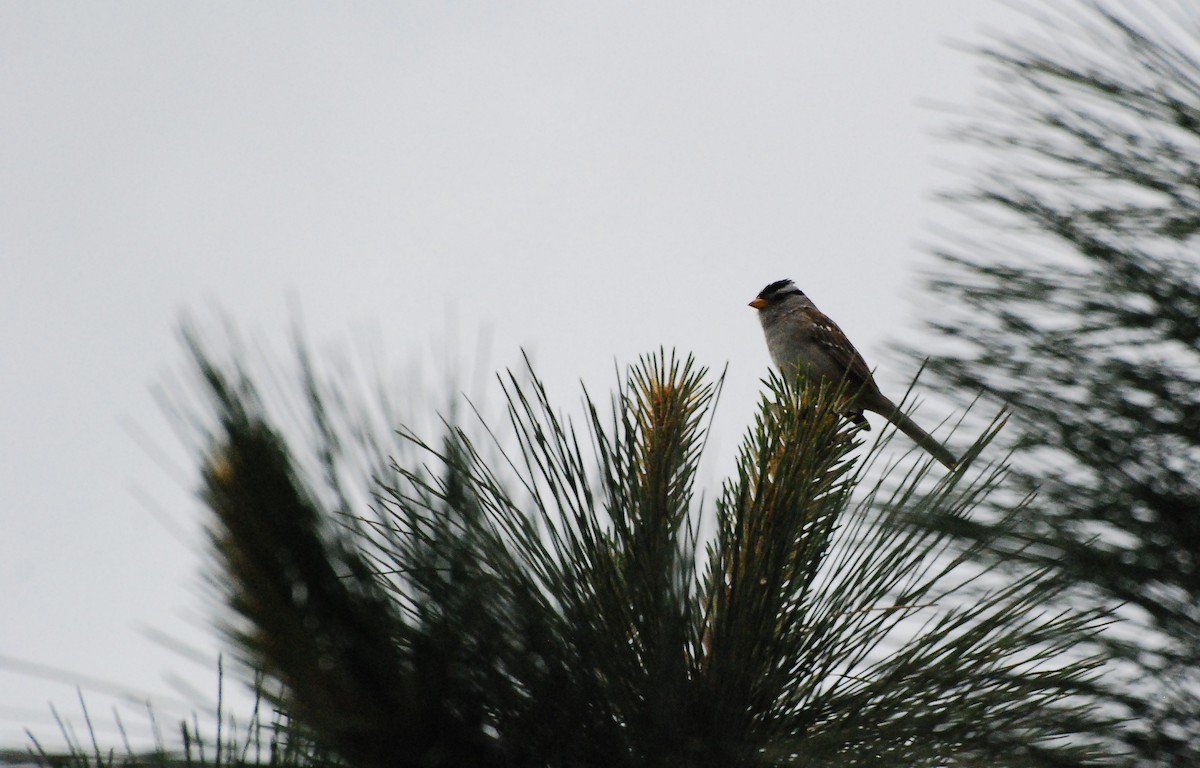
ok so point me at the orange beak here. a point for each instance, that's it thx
(759, 303)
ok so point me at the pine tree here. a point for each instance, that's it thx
(554, 600)
(1079, 311)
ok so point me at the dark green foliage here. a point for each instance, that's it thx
(557, 604)
(267, 739)
(1081, 314)
(316, 612)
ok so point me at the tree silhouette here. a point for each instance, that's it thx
(1079, 311)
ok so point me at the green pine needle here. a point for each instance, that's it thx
(552, 599)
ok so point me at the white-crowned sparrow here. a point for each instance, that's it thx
(801, 336)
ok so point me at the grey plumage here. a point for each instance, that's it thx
(803, 340)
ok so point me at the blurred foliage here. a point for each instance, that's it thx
(266, 739)
(1079, 311)
(545, 595)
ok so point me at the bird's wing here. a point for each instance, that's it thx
(839, 350)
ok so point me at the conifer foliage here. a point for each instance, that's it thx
(1079, 311)
(557, 592)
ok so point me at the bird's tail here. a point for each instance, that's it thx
(922, 438)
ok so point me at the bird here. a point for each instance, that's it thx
(803, 340)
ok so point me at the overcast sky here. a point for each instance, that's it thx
(587, 180)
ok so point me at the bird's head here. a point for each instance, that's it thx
(776, 294)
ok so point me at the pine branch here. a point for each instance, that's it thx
(1080, 315)
(543, 602)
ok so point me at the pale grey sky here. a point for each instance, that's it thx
(589, 180)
